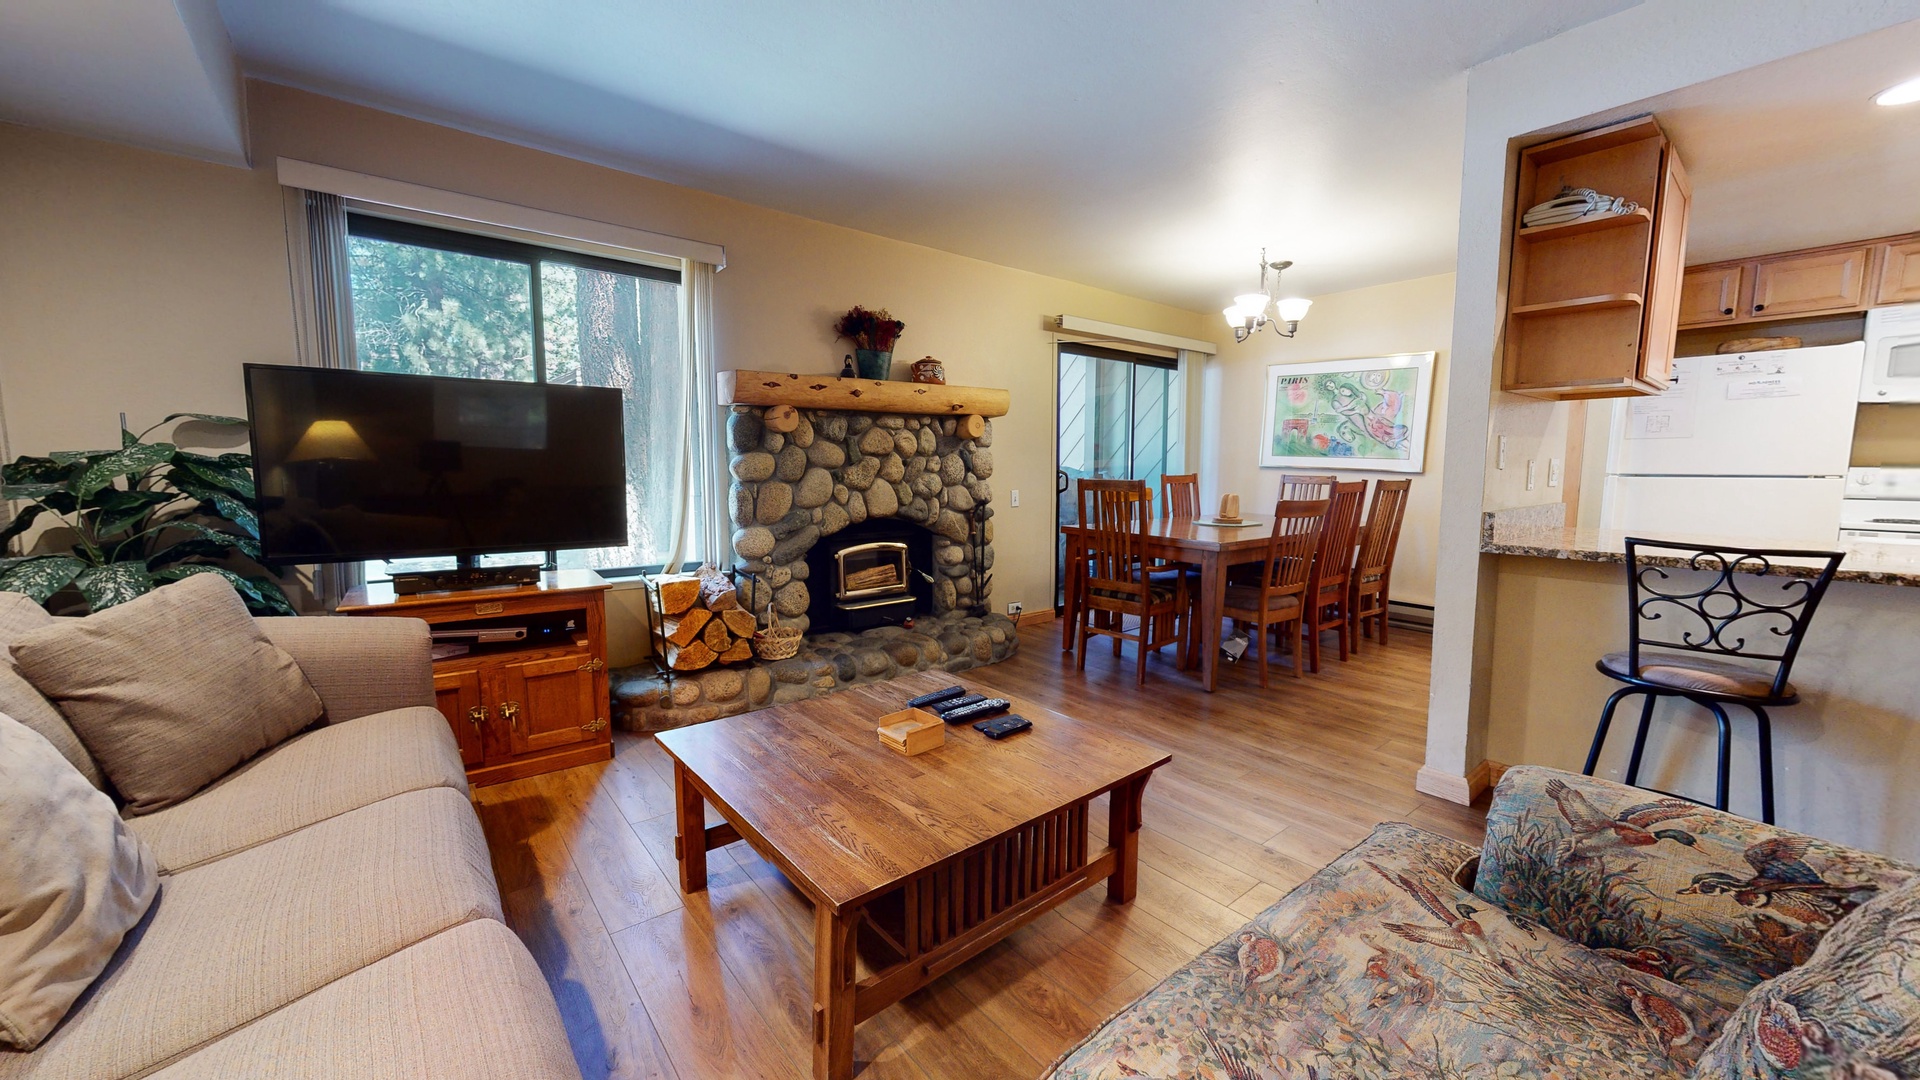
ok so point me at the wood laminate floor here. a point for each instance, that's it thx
(1264, 787)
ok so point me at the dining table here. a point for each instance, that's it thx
(1212, 548)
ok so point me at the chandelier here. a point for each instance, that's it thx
(1251, 311)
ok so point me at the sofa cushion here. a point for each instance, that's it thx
(169, 690)
(1379, 965)
(73, 880)
(18, 699)
(468, 1003)
(307, 779)
(1853, 1010)
(235, 939)
(1683, 887)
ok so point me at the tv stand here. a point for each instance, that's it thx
(524, 706)
(465, 576)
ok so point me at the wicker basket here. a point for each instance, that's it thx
(776, 642)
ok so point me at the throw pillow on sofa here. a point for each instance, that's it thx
(171, 690)
(1853, 1010)
(19, 613)
(76, 880)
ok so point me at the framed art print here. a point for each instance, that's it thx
(1368, 414)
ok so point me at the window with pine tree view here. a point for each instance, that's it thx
(430, 301)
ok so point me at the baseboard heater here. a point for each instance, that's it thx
(1410, 616)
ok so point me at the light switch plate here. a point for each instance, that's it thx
(1500, 456)
(1013, 497)
(1530, 474)
(1553, 472)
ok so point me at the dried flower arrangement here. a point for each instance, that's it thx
(875, 330)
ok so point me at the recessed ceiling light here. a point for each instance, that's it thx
(1904, 94)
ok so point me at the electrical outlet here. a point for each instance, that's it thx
(1500, 456)
(1553, 472)
(1014, 609)
(1013, 497)
(1530, 474)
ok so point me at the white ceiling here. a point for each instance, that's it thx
(1795, 153)
(1148, 147)
(155, 73)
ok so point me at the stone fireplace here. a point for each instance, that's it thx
(871, 529)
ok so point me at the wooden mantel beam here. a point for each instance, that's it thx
(744, 387)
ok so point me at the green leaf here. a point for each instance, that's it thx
(131, 461)
(211, 418)
(38, 470)
(79, 457)
(263, 597)
(223, 503)
(29, 491)
(39, 576)
(117, 510)
(238, 480)
(230, 461)
(246, 545)
(114, 583)
(21, 521)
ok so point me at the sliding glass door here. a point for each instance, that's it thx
(1121, 417)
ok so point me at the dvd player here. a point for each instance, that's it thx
(474, 577)
(481, 635)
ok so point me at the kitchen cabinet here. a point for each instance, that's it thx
(517, 707)
(1592, 305)
(1812, 283)
(1711, 295)
(1899, 274)
(1828, 282)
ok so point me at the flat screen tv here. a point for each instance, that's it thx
(364, 465)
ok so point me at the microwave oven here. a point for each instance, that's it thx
(1892, 371)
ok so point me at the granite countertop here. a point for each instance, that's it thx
(1873, 564)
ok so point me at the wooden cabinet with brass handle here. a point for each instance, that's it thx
(518, 709)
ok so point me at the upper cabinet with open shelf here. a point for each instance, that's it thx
(1593, 304)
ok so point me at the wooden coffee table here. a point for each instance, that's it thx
(913, 864)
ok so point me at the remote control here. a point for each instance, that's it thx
(976, 711)
(925, 700)
(944, 707)
(1002, 726)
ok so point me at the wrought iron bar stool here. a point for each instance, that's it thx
(1714, 611)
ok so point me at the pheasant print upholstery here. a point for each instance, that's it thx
(1715, 902)
(1381, 966)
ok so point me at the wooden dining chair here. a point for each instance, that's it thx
(1326, 606)
(1180, 495)
(1275, 603)
(1299, 487)
(1371, 580)
(1119, 582)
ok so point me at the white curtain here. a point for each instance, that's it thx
(700, 525)
(323, 321)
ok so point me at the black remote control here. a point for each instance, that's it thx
(1002, 726)
(925, 700)
(976, 711)
(947, 706)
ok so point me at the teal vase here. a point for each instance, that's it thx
(873, 363)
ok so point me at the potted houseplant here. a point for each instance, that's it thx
(873, 334)
(132, 519)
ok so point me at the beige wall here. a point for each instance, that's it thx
(1405, 316)
(139, 281)
(1843, 758)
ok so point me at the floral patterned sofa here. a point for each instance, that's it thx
(1603, 931)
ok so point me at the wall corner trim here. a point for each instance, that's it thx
(1456, 789)
(453, 204)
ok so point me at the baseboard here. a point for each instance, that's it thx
(1495, 770)
(1455, 789)
(1035, 618)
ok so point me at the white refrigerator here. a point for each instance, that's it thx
(1741, 447)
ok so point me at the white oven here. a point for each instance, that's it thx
(1892, 372)
(1881, 509)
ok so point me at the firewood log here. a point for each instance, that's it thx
(971, 426)
(687, 629)
(691, 658)
(677, 592)
(716, 636)
(718, 593)
(740, 623)
(742, 650)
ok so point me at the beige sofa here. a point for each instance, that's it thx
(327, 910)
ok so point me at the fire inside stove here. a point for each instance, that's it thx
(871, 572)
